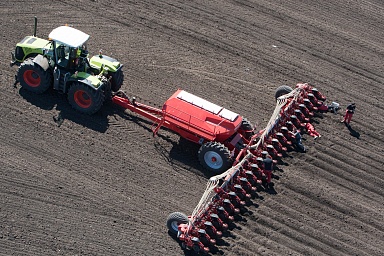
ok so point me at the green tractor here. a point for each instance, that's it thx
(62, 62)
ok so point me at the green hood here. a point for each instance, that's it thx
(34, 45)
(109, 63)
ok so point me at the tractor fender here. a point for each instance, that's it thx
(88, 79)
(85, 78)
(71, 81)
(83, 81)
(41, 61)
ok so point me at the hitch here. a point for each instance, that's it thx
(13, 61)
(16, 81)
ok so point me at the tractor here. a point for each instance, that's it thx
(62, 62)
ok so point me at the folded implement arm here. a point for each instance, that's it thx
(230, 189)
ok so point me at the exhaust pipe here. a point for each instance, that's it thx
(34, 31)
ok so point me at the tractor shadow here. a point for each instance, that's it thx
(53, 100)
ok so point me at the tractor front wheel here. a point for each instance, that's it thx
(34, 78)
(117, 80)
(85, 99)
(174, 220)
(215, 157)
(282, 90)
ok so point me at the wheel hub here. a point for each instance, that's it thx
(32, 78)
(82, 99)
(175, 225)
(213, 160)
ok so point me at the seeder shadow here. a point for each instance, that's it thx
(353, 132)
(271, 191)
(214, 250)
(186, 252)
(319, 114)
(217, 251)
(184, 152)
(282, 162)
(231, 226)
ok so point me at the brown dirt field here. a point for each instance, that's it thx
(102, 185)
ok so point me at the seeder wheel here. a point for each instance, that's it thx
(174, 220)
(215, 157)
(282, 90)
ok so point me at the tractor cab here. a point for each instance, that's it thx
(69, 48)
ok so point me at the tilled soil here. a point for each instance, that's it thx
(103, 185)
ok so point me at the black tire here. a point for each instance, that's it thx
(247, 126)
(117, 80)
(174, 220)
(34, 78)
(196, 248)
(85, 99)
(215, 157)
(282, 90)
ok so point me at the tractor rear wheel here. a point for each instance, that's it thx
(215, 157)
(34, 78)
(117, 80)
(174, 220)
(85, 99)
(282, 90)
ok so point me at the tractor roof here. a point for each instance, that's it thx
(68, 36)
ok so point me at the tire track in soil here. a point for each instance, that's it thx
(352, 174)
(367, 163)
(318, 242)
(342, 207)
(244, 245)
(367, 198)
(343, 238)
(291, 243)
(369, 141)
(283, 212)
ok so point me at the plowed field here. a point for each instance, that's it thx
(103, 185)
